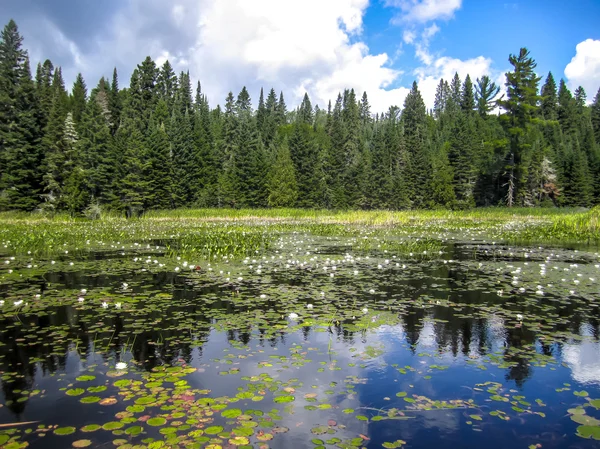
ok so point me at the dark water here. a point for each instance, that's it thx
(439, 349)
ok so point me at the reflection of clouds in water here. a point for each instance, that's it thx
(300, 420)
(583, 359)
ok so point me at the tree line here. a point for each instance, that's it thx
(159, 145)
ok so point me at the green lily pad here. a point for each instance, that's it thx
(231, 413)
(156, 422)
(592, 432)
(65, 431)
(213, 430)
(75, 392)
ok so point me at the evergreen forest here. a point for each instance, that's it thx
(159, 144)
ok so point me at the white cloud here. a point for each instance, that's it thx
(409, 36)
(430, 31)
(424, 10)
(584, 361)
(584, 68)
(428, 77)
(257, 43)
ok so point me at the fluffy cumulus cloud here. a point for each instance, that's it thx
(424, 10)
(228, 44)
(584, 68)
(445, 67)
(225, 43)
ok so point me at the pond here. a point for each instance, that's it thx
(312, 343)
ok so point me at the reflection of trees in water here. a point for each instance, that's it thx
(517, 338)
(161, 340)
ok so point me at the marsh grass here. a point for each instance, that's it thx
(208, 233)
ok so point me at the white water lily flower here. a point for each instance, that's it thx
(365, 310)
(18, 303)
(121, 365)
(105, 305)
(519, 317)
(309, 306)
(83, 291)
(293, 316)
(125, 285)
(80, 299)
(371, 291)
(118, 305)
(1, 302)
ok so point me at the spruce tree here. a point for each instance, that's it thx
(20, 115)
(78, 98)
(414, 120)
(282, 187)
(567, 114)
(467, 101)
(549, 105)
(133, 187)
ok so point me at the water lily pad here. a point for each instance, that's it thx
(319, 430)
(113, 425)
(156, 422)
(65, 431)
(90, 400)
(135, 430)
(213, 430)
(75, 392)
(231, 413)
(284, 399)
(585, 420)
(81, 443)
(239, 441)
(85, 378)
(264, 436)
(91, 428)
(592, 432)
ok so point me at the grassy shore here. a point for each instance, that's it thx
(243, 231)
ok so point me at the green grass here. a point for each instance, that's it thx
(207, 233)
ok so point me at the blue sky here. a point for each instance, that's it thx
(318, 46)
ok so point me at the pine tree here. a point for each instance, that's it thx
(281, 111)
(414, 119)
(97, 152)
(467, 100)
(485, 93)
(305, 113)
(282, 187)
(167, 85)
(549, 105)
(115, 103)
(56, 148)
(20, 152)
(78, 98)
(566, 109)
(226, 191)
(43, 83)
(441, 98)
(133, 187)
(521, 109)
(161, 194)
(304, 155)
(595, 116)
(261, 112)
